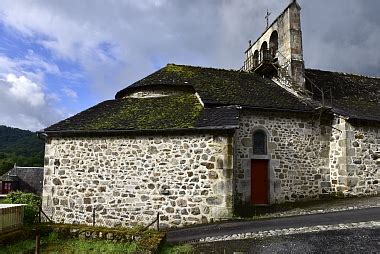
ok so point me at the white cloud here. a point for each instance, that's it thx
(69, 93)
(22, 121)
(118, 42)
(31, 65)
(23, 104)
(24, 101)
(212, 33)
(23, 89)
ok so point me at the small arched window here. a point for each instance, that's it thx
(259, 142)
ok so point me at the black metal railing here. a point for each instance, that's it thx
(157, 221)
(253, 61)
(265, 56)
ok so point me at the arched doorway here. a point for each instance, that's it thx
(259, 170)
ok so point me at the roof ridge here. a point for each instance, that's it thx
(203, 67)
(157, 97)
(343, 73)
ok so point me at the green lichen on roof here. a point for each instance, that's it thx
(222, 92)
(180, 70)
(169, 112)
(222, 87)
(350, 95)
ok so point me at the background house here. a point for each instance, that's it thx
(26, 179)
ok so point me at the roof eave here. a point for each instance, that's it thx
(261, 108)
(363, 120)
(227, 128)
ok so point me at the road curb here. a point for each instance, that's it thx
(289, 231)
(318, 220)
(317, 211)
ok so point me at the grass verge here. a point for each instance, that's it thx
(54, 243)
(176, 249)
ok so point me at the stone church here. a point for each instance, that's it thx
(195, 143)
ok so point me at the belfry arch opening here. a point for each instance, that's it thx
(256, 58)
(273, 44)
(264, 46)
(264, 53)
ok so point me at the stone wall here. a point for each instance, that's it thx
(298, 154)
(308, 160)
(359, 163)
(187, 178)
(148, 240)
(338, 155)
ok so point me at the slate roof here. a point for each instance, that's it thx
(159, 113)
(222, 87)
(353, 96)
(222, 92)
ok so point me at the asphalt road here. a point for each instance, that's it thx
(235, 227)
(358, 241)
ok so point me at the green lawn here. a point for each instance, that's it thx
(53, 244)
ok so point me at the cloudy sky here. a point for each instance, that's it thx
(59, 57)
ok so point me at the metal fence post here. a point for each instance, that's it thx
(38, 233)
(158, 221)
(93, 216)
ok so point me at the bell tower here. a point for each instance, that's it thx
(278, 52)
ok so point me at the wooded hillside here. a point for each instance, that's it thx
(21, 147)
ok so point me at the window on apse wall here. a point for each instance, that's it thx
(259, 142)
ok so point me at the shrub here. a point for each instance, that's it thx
(31, 201)
(337, 195)
(184, 248)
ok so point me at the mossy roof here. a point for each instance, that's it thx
(349, 95)
(222, 92)
(222, 87)
(159, 113)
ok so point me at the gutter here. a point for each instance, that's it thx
(45, 134)
(279, 109)
(212, 105)
(42, 135)
(356, 121)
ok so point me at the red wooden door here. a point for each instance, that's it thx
(259, 182)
